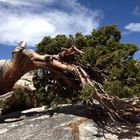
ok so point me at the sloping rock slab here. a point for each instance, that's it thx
(64, 123)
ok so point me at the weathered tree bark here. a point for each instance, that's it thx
(23, 61)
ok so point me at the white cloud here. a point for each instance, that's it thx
(32, 20)
(136, 11)
(27, 28)
(133, 27)
(26, 2)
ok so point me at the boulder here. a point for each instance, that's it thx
(25, 81)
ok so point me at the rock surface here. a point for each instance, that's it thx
(63, 123)
(26, 81)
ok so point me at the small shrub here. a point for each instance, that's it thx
(86, 93)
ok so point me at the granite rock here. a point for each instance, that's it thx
(68, 122)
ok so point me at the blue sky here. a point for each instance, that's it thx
(31, 20)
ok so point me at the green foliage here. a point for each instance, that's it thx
(54, 45)
(86, 93)
(80, 41)
(103, 49)
(21, 99)
(49, 93)
(20, 94)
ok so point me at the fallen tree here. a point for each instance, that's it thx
(75, 75)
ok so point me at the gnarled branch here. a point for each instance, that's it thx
(23, 61)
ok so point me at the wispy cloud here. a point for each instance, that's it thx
(125, 33)
(133, 27)
(31, 20)
(136, 11)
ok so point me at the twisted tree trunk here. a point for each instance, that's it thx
(23, 61)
